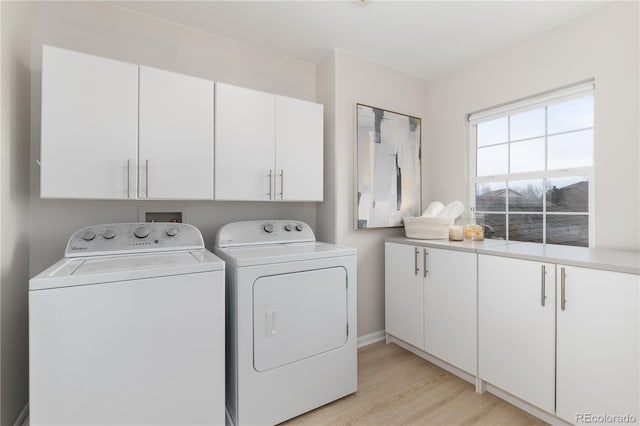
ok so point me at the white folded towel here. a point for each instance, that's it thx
(452, 211)
(433, 209)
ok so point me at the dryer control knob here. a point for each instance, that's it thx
(172, 231)
(288, 227)
(108, 234)
(268, 228)
(141, 232)
(88, 235)
(298, 227)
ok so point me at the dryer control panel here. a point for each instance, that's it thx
(260, 232)
(127, 238)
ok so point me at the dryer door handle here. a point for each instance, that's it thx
(271, 322)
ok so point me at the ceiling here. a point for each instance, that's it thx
(422, 38)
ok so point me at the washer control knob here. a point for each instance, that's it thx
(298, 227)
(141, 232)
(268, 228)
(88, 235)
(172, 231)
(108, 234)
(288, 227)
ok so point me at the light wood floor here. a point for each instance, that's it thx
(395, 387)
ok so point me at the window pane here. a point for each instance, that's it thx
(570, 150)
(495, 226)
(571, 115)
(494, 131)
(527, 124)
(526, 195)
(525, 227)
(492, 160)
(491, 197)
(572, 230)
(570, 194)
(527, 156)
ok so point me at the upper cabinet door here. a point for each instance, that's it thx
(176, 136)
(245, 144)
(89, 128)
(299, 150)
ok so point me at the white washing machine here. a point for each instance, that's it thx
(291, 320)
(128, 329)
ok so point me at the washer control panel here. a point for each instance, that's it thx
(257, 232)
(125, 238)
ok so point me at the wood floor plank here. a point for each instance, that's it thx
(396, 387)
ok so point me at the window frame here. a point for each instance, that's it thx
(545, 100)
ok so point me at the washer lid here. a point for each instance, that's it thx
(102, 269)
(279, 253)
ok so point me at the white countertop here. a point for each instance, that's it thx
(625, 261)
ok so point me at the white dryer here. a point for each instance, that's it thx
(291, 320)
(128, 329)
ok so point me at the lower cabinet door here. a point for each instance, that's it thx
(598, 345)
(404, 310)
(516, 323)
(450, 301)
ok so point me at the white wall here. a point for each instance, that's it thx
(14, 204)
(104, 30)
(355, 80)
(603, 44)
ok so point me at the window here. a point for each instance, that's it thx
(532, 168)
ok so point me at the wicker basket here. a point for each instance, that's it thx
(427, 228)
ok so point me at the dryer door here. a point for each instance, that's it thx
(298, 315)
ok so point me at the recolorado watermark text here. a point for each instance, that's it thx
(590, 418)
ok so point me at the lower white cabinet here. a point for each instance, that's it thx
(516, 328)
(450, 307)
(404, 292)
(566, 341)
(430, 301)
(598, 356)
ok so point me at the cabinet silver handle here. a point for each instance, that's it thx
(563, 299)
(424, 263)
(270, 176)
(415, 261)
(147, 172)
(128, 178)
(282, 184)
(543, 279)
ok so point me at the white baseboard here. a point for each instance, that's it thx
(23, 418)
(368, 339)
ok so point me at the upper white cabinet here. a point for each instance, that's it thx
(245, 144)
(176, 136)
(299, 150)
(516, 303)
(89, 133)
(268, 147)
(598, 355)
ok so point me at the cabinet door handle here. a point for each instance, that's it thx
(282, 184)
(415, 261)
(147, 176)
(563, 290)
(270, 175)
(128, 178)
(424, 263)
(543, 279)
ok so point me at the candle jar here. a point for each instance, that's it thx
(456, 233)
